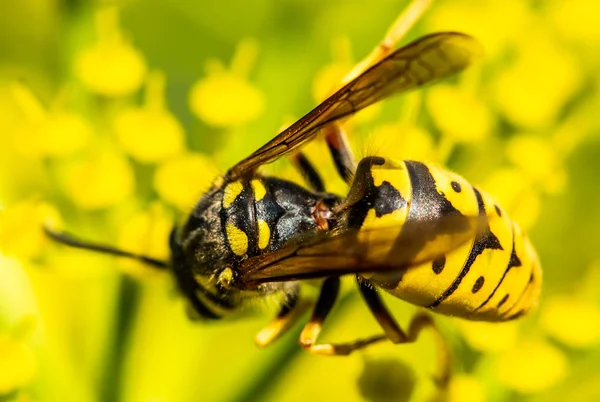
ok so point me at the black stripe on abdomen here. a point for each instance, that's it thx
(513, 262)
(430, 214)
(485, 240)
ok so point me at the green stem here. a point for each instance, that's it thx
(127, 305)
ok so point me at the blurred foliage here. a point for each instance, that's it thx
(115, 115)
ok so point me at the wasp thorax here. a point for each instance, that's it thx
(241, 220)
(244, 219)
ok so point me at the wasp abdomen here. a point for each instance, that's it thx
(493, 277)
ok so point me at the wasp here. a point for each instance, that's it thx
(412, 229)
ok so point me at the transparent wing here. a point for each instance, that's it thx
(423, 61)
(365, 250)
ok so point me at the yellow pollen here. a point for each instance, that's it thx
(238, 240)
(231, 192)
(259, 190)
(264, 234)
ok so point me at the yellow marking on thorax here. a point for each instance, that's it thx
(238, 240)
(259, 189)
(231, 192)
(264, 234)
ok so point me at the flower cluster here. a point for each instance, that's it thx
(106, 150)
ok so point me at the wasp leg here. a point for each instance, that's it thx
(362, 181)
(311, 331)
(334, 134)
(308, 171)
(340, 150)
(288, 315)
(395, 334)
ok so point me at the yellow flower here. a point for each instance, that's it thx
(150, 133)
(21, 226)
(527, 210)
(103, 179)
(329, 77)
(576, 19)
(465, 388)
(111, 67)
(47, 132)
(182, 180)
(402, 141)
(18, 302)
(64, 133)
(575, 323)
(60, 134)
(459, 114)
(485, 20)
(146, 233)
(536, 158)
(225, 98)
(488, 336)
(531, 367)
(532, 91)
(515, 191)
(18, 364)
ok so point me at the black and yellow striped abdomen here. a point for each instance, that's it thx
(495, 276)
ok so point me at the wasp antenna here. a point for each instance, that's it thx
(71, 241)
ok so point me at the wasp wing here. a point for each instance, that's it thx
(423, 61)
(377, 249)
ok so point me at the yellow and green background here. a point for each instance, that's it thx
(115, 115)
